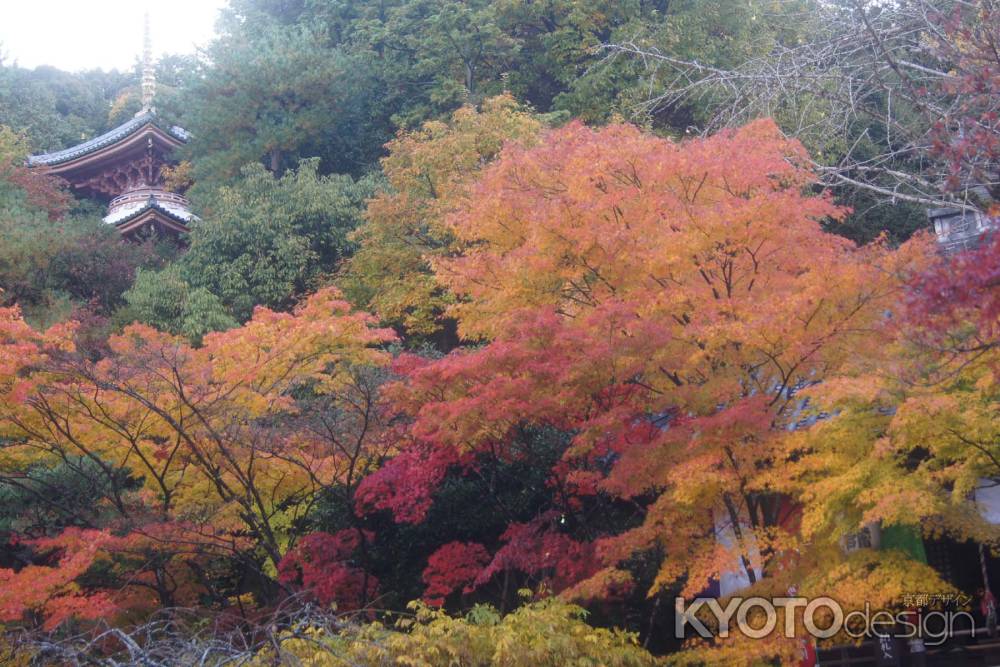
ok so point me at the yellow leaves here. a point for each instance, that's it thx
(544, 633)
(910, 429)
(899, 501)
(837, 390)
(429, 172)
(15, 654)
(880, 578)
(260, 361)
(694, 281)
(177, 178)
(196, 424)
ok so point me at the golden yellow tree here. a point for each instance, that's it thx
(428, 170)
(232, 440)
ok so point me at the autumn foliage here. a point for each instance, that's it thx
(669, 374)
(657, 301)
(968, 133)
(321, 564)
(428, 170)
(207, 430)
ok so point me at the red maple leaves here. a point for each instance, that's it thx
(964, 288)
(968, 134)
(406, 483)
(455, 565)
(537, 547)
(323, 565)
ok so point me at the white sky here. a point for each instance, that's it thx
(86, 34)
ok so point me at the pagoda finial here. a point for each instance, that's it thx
(148, 74)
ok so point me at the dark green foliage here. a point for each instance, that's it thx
(45, 500)
(264, 240)
(872, 216)
(51, 267)
(289, 80)
(57, 109)
(53, 260)
(276, 93)
(295, 79)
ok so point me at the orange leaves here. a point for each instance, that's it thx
(257, 363)
(21, 346)
(201, 426)
(696, 458)
(661, 302)
(95, 607)
(591, 215)
(692, 266)
(51, 590)
(649, 312)
(429, 171)
(228, 447)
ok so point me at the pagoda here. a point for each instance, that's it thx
(124, 167)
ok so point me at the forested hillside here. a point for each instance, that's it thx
(503, 324)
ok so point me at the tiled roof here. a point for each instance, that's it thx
(959, 230)
(108, 138)
(170, 209)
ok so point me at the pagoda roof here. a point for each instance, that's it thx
(129, 212)
(168, 215)
(109, 138)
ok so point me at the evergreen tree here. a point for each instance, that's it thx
(264, 240)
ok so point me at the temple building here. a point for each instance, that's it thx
(124, 168)
(959, 230)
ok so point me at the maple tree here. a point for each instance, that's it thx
(52, 590)
(40, 191)
(455, 565)
(646, 318)
(956, 294)
(428, 170)
(656, 301)
(233, 440)
(320, 563)
(622, 367)
(916, 434)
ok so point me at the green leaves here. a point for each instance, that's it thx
(276, 93)
(264, 241)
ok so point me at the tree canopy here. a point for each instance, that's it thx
(502, 327)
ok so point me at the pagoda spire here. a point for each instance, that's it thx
(148, 73)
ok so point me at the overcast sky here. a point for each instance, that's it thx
(85, 34)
